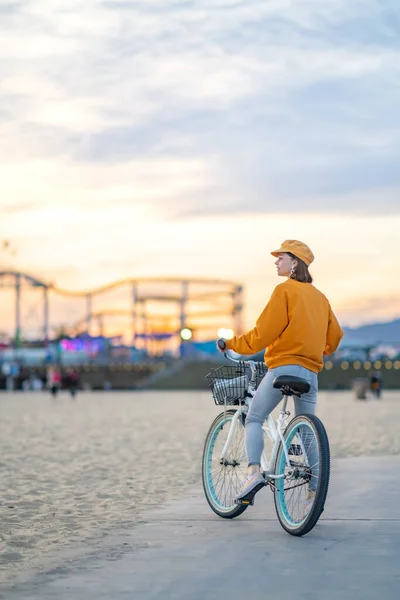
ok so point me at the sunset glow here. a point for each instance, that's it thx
(190, 139)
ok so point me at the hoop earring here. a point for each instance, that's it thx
(292, 270)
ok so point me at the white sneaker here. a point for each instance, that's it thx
(251, 486)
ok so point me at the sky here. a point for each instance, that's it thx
(190, 138)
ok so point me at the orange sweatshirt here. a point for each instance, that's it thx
(296, 327)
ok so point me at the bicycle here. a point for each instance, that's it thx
(300, 456)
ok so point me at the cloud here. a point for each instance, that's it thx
(281, 102)
(364, 310)
(21, 207)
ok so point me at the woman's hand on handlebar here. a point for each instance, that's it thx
(221, 345)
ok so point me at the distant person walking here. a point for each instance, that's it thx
(71, 381)
(297, 327)
(53, 380)
(375, 383)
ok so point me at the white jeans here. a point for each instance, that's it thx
(267, 398)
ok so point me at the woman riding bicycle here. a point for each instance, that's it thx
(297, 327)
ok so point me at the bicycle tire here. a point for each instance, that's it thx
(304, 524)
(223, 507)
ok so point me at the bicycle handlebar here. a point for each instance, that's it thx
(251, 363)
(221, 343)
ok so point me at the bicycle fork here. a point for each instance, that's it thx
(232, 428)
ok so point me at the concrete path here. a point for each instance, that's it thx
(185, 552)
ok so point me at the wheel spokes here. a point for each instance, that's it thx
(225, 479)
(301, 478)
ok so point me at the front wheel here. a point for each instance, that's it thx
(300, 494)
(223, 478)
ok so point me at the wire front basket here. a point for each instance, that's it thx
(229, 383)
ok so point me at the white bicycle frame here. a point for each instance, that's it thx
(274, 431)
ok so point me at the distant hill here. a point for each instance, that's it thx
(374, 333)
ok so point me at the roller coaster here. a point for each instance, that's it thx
(156, 307)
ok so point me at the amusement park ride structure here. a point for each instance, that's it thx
(157, 308)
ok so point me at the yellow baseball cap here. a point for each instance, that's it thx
(297, 248)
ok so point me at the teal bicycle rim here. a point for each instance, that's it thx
(286, 494)
(223, 482)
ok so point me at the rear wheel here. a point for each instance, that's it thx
(300, 495)
(223, 479)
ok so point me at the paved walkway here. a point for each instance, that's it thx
(185, 552)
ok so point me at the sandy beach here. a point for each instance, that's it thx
(75, 472)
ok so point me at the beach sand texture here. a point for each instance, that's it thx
(72, 472)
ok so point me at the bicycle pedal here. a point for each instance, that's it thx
(248, 500)
(245, 502)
